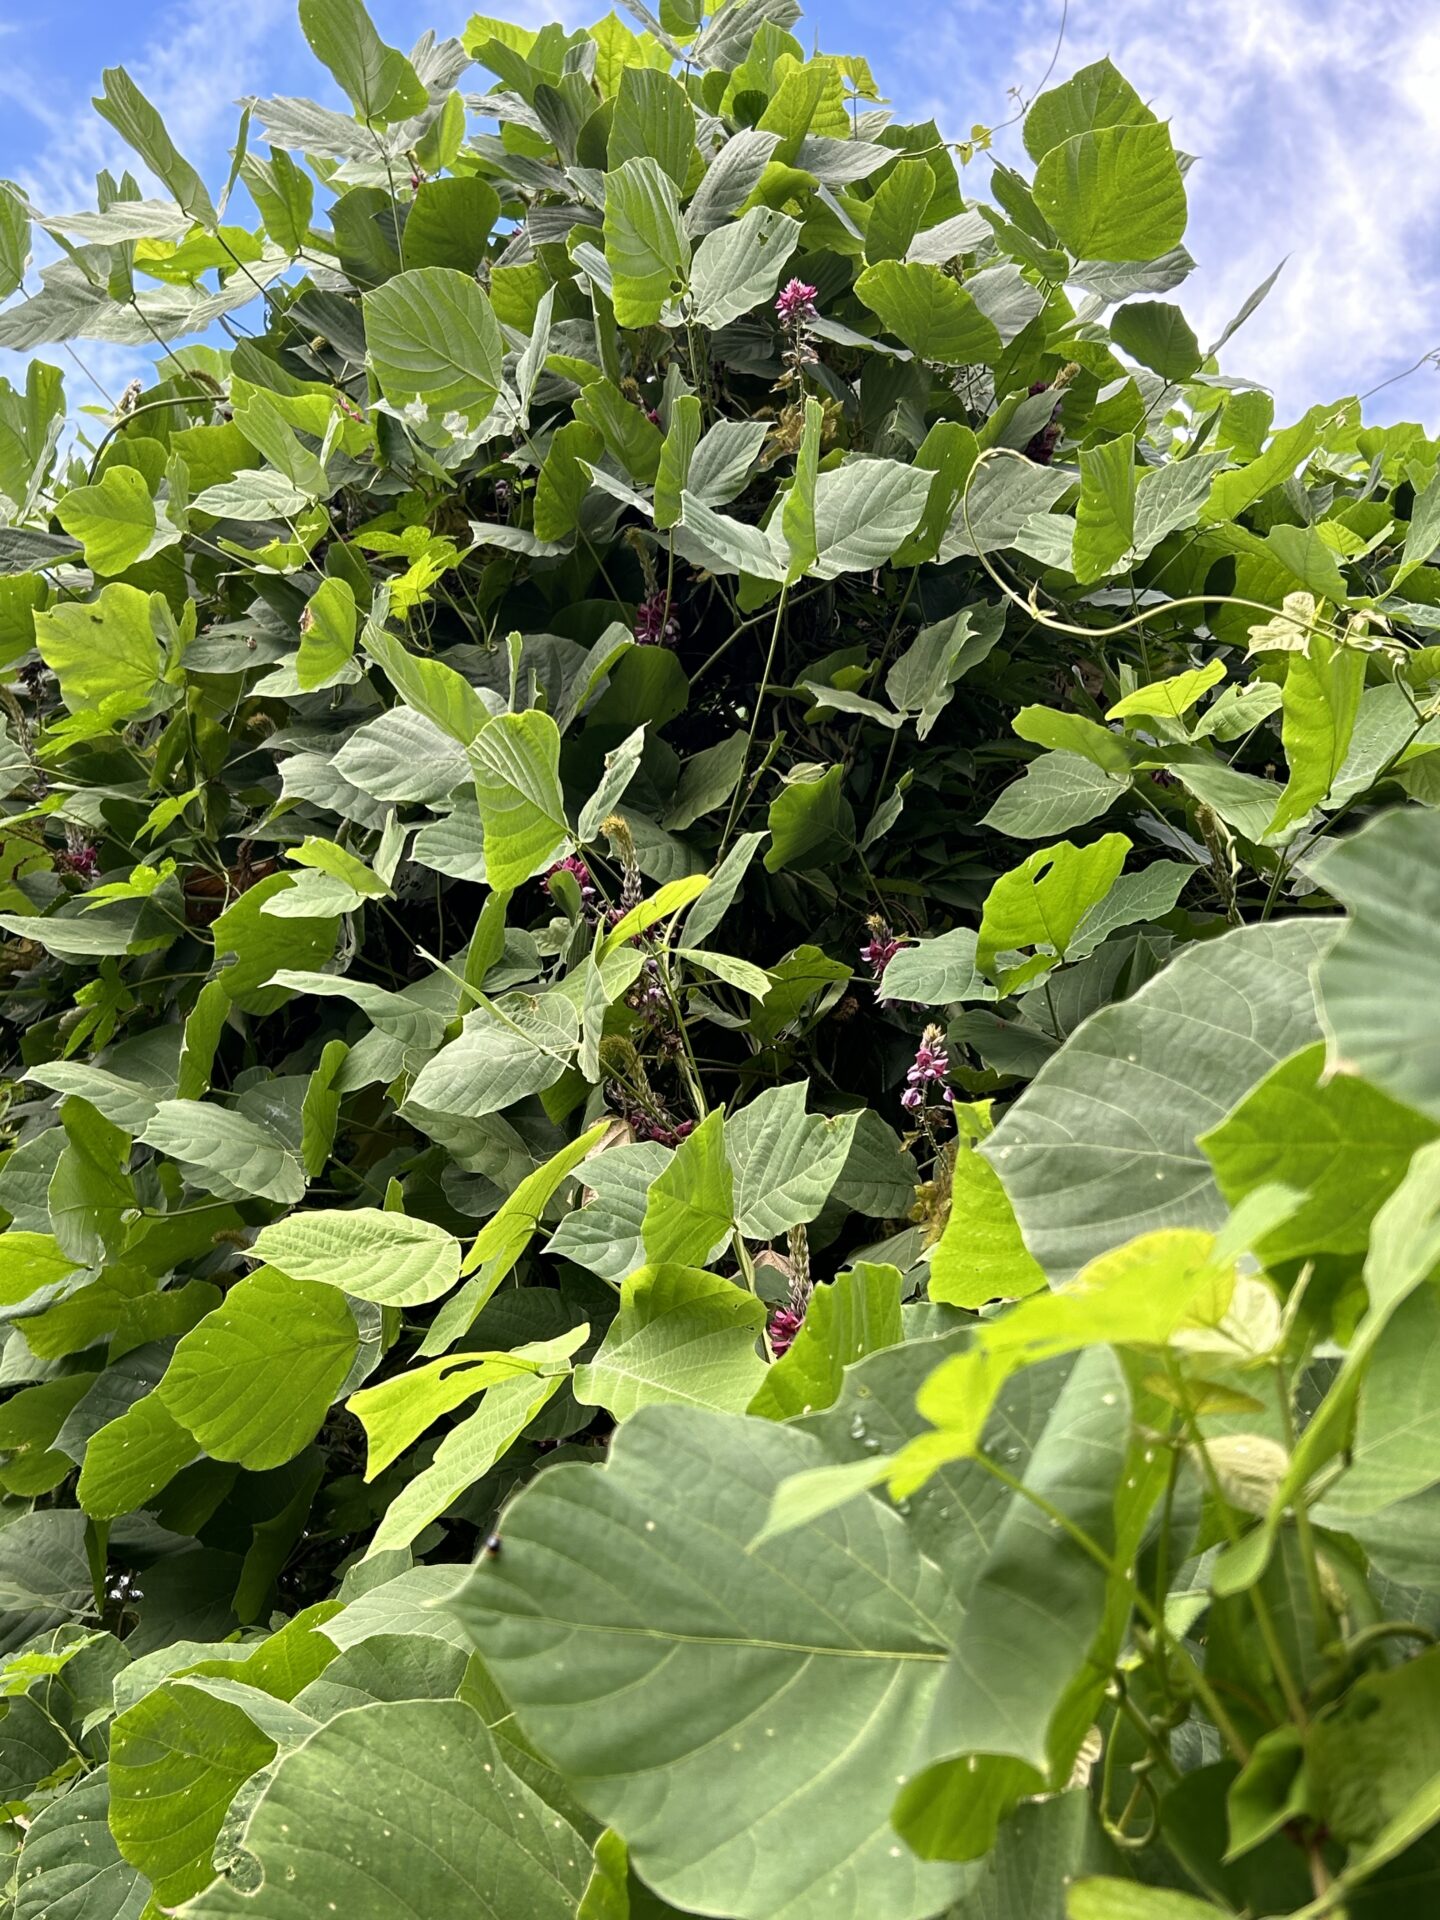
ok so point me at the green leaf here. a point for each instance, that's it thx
(897, 210)
(141, 127)
(1003, 1724)
(692, 1205)
(1159, 337)
(517, 783)
(1105, 512)
(1392, 1456)
(395, 1413)
(466, 1455)
(1041, 902)
(785, 1161)
(381, 83)
(59, 1879)
(227, 1153)
(1138, 1295)
(1106, 1899)
(1339, 1141)
(1059, 791)
(676, 457)
(1375, 983)
(927, 310)
(502, 1055)
(14, 238)
(1320, 700)
(1169, 699)
(327, 634)
(811, 822)
(938, 972)
(1374, 1759)
(740, 265)
(797, 512)
(681, 1335)
(856, 1314)
(564, 483)
(131, 1458)
(1095, 96)
(1101, 1144)
(980, 1256)
(104, 652)
(405, 1804)
(177, 1759)
(1114, 194)
(646, 245)
(653, 119)
(766, 1813)
(255, 1379)
(386, 1257)
(115, 519)
(449, 223)
(432, 336)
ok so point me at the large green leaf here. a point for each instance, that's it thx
(228, 1153)
(856, 1314)
(115, 519)
(980, 1256)
(1340, 1142)
(1003, 1724)
(256, 1378)
(104, 652)
(1321, 698)
(406, 1806)
(387, 1257)
(381, 82)
(1095, 96)
(1114, 194)
(1393, 1455)
(653, 118)
(739, 265)
(503, 1053)
(1378, 981)
(433, 337)
(177, 1758)
(646, 245)
(517, 782)
(934, 316)
(785, 1160)
(1102, 1144)
(1042, 902)
(70, 1867)
(692, 1204)
(680, 1335)
(783, 1722)
(1105, 512)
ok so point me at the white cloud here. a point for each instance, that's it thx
(1315, 128)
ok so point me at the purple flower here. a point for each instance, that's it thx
(655, 625)
(784, 1325)
(880, 949)
(930, 1068)
(82, 858)
(795, 303)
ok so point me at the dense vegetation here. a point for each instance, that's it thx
(723, 1198)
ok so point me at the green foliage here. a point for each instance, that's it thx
(719, 1161)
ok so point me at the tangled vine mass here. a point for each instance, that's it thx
(721, 1133)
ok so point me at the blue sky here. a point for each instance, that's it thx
(1315, 125)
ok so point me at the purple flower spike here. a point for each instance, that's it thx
(784, 1325)
(655, 625)
(795, 303)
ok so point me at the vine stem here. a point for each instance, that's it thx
(739, 796)
(1153, 1617)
